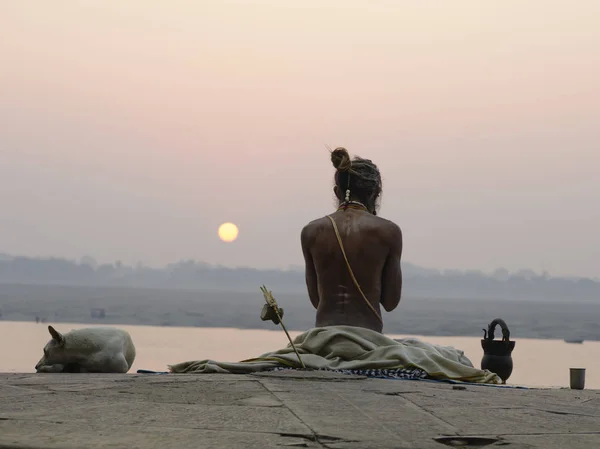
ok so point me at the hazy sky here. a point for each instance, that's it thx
(131, 129)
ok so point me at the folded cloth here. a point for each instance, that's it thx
(354, 348)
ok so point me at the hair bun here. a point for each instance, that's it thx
(341, 159)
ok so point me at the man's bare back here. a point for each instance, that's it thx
(373, 247)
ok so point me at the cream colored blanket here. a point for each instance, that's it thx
(348, 348)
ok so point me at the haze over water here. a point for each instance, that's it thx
(536, 362)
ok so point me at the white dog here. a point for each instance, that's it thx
(90, 350)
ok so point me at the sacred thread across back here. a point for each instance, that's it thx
(339, 239)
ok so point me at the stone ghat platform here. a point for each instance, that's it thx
(286, 409)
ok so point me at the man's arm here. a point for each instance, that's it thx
(310, 272)
(391, 282)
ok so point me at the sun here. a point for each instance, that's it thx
(228, 232)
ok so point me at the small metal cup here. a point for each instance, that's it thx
(577, 378)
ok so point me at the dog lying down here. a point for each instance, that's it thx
(89, 350)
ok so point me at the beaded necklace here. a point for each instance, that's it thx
(352, 205)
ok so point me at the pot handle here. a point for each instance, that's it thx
(489, 335)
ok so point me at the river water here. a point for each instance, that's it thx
(541, 363)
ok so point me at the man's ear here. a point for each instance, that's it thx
(57, 336)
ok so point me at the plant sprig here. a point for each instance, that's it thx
(272, 303)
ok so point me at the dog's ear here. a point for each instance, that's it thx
(56, 336)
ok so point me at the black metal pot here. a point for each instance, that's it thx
(497, 353)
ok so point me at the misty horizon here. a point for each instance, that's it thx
(419, 282)
(132, 130)
(407, 266)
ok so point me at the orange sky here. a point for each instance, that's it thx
(130, 130)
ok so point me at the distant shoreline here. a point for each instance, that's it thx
(219, 309)
(197, 275)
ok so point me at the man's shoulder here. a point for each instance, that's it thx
(384, 224)
(389, 231)
(388, 225)
(316, 222)
(393, 226)
(312, 226)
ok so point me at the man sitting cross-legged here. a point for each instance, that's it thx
(353, 256)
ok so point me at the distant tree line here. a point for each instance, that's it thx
(418, 281)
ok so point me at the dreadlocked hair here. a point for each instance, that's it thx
(360, 176)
